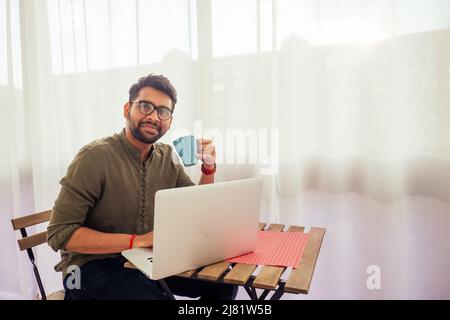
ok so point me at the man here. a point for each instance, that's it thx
(106, 202)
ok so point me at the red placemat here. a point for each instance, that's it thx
(276, 249)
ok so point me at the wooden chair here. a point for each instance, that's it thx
(29, 242)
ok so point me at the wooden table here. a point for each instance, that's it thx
(268, 278)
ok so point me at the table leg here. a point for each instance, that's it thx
(251, 292)
(264, 294)
(277, 295)
(166, 288)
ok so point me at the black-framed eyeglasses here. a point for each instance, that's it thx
(147, 108)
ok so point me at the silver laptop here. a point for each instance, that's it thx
(200, 225)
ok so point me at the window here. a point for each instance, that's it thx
(106, 34)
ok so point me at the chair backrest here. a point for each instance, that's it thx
(29, 242)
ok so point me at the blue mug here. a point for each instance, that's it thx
(186, 147)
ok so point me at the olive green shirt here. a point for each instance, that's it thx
(109, 189)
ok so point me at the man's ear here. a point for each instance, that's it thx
(126, 110)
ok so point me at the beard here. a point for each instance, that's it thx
(140, 134)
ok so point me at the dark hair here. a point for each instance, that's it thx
(160, 83)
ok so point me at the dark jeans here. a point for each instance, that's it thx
(108, 279)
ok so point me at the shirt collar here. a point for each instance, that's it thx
(133, 151)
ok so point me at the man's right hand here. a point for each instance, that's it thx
(144, 241)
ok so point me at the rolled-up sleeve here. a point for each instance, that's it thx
(80, 189)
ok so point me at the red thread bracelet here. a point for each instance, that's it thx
(209, 171)
(132, 241)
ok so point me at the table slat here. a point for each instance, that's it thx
(268, 277)
(299, 280)
(187, 274)
(296, 229)
(240, 273)
(214, 271)
(275, 227)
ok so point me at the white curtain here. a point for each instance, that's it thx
(332, 95)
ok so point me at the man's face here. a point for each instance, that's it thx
(148, 128)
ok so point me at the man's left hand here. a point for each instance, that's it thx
(206, 152)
